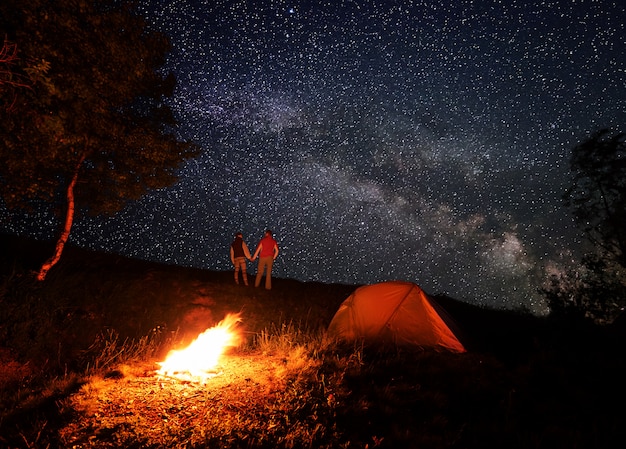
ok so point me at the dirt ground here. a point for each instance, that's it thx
(134, 405)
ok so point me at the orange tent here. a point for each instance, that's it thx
(393, 312)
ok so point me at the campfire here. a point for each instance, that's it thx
(200, 360)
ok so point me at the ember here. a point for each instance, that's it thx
(200, 359)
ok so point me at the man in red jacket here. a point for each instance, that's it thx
(267, 250)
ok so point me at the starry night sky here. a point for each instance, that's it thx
(381, 140)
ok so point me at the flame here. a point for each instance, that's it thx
(201, 357)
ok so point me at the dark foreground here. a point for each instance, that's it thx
(78, 353)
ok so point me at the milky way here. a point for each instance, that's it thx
(381, 140)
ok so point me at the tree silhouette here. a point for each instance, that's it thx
(598, 193)
(597, 198)
(93, 128)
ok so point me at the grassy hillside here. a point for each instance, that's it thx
(78, 354)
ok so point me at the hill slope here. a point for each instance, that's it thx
(77, 354)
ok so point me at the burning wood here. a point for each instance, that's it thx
(200, 360)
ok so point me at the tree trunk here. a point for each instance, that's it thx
(69, 220)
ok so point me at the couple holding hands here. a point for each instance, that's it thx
(266, 251)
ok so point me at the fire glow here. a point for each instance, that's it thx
(200, 359)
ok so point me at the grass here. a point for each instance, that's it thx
(78, 355)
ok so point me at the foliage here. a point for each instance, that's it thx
(597, 197)
(96, 94)
(598, 194)
(594, 291)
(11, 81)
